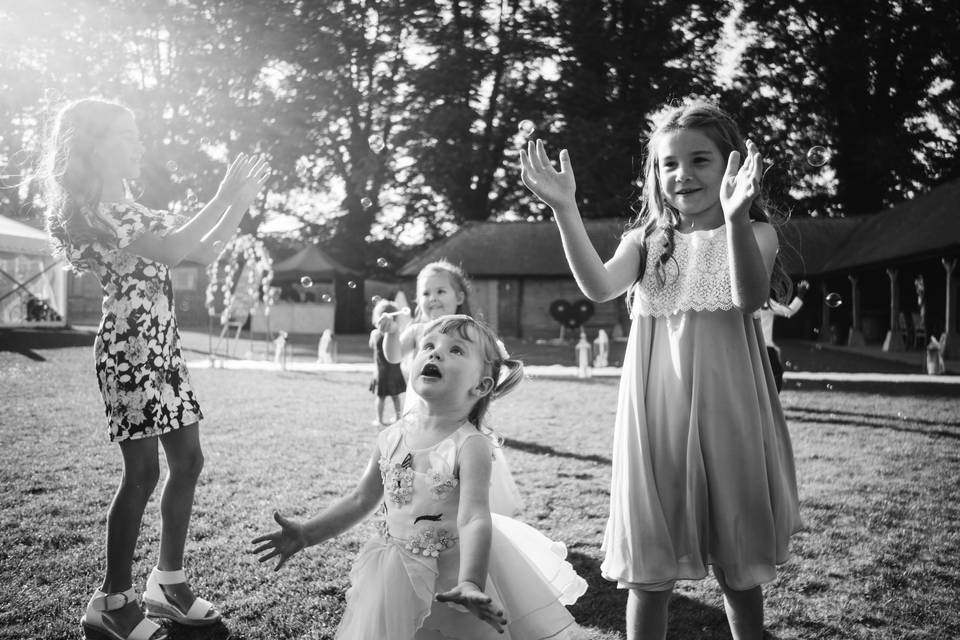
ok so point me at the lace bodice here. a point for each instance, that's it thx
(697, 278)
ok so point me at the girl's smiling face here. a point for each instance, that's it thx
(437, 296)
(690, 168)
(449, 367)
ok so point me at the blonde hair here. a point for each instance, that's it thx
(458, 279)
(659, 220)
(506, 372)
(383, 305)
(72, 181)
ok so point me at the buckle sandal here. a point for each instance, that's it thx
(158, 604)
(97, 623)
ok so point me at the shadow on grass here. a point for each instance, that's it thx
(26, 341)
(603, 606)
(873, 421)
(544, 450)
(218, 631)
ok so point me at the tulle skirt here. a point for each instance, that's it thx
(528, 576)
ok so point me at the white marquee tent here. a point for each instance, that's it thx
(33, 284)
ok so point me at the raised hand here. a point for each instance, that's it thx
(284, 543)
(554, 188)
(469, 595)
(741, 184)
(245, 176)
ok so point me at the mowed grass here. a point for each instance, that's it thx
(879, 482)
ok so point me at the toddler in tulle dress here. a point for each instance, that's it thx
(442, 565)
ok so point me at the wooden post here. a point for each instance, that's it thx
(894, 339)
(950, 327)
(855, 337)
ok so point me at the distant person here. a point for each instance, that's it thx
(703, 471)
(388, 380)
(767, 313)
(93, 151)
(444, 289)
(441, 565)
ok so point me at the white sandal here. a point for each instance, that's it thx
(96, 624)
(156, 603)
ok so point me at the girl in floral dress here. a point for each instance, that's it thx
(442, 566)
(703, 472)
(94, 149)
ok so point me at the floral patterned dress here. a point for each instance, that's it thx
(142, 376)
(416, 555)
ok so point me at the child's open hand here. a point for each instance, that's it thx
(741, 184)
(469, 595)
(389, 322)
(554, 188)
(284, 543)
(245, 176)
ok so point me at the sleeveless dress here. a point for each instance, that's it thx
(140, 370)
(390, 380)
(703, 470)
(416, 555)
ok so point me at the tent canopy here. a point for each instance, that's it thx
(33, 288)
(16, 237)
(310, 261)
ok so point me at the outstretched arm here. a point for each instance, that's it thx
(216, 222)
(599, 281)
(752, 247)
(473, 525)
(396, 343)
(294, 536)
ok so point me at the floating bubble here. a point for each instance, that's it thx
(818, 156)
(526, 128)
(829, 387)
(833, 300)
(366, 203)
(788, 364)
(383, 263)
(901, 416)
(376, 143)
(816, 331)
(306, 281)
(351, 284)
(375, 299)
(326, 298)
(171, 166)
(218, 245)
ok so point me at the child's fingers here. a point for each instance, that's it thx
(733, 165)
(534, 157)
(565, 165)
(542, 155)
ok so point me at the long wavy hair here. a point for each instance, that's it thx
(71, 173)
(506, 372)
(659, 220)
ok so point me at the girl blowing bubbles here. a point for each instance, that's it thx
(93, 150)
(442, 565)
(703, 469)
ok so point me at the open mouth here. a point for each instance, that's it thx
(430, 370)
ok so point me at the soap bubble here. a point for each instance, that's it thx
(383, 263)
(171, 166)
(352, 284)
(376, 143)
(326, 298)
(833, 300)
(526, 128)
(818, 156)
(788, 364)
(218, 246)
(829, 387)
(366, 203)
(306, 281)
(375, 299)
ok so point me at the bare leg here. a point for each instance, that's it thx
(396, 406)
(185, 462)
(744, 609)
(380, 404)
(141, 470)
(647, 614)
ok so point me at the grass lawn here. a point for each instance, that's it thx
(879, 482)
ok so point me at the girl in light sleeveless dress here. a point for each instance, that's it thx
(703, 472)
(442, 566)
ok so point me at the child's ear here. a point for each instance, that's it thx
(485, 386)
(461, 296)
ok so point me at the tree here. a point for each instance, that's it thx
(871, 80)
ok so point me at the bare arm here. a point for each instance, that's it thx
(599, 281)
(294, 536)
(216, 222)
(474, 527)
(397, 344)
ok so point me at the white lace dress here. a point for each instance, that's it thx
(703, 469)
